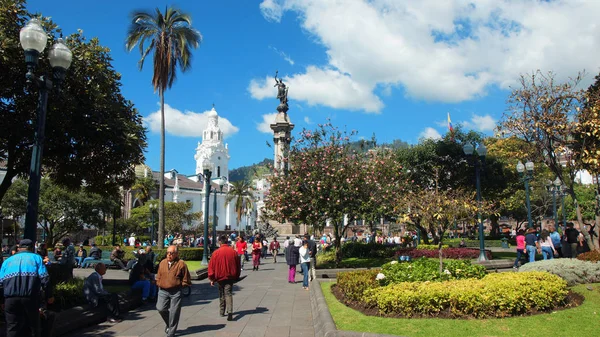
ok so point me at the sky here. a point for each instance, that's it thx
(393, 68)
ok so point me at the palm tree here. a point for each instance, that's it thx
(240, 192)
(170, 37)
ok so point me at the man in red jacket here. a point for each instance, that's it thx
(224, 269)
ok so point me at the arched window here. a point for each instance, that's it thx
(218, 171)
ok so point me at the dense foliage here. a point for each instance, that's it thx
(427, 270)
(495, 295)
(361, 250)
(68, 294)
(92, 130)
(593, 256)
(573, 271)
(354, 283)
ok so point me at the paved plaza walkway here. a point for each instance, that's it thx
(265, 304)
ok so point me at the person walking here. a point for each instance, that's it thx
(312, 247)
(256, 251)
(23, 275)
(240, 247)
(556, 240)
(546, 247)
(292, 256)
(172, 275)
(274, 248)
(304, 254)
(531, 244)
(520, 248)
(224, 269)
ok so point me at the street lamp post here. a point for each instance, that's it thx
(33, 40)
(555, 187)
(469, 150)
(206, 166)
(563, 194)
(152, 207)
(526, 178)
(219, 181)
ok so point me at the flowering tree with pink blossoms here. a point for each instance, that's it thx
(326, 180)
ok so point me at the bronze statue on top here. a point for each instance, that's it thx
(282, 92)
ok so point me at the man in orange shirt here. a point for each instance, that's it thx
(172, 275)
(224, 269)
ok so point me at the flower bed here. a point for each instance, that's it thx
(571, 270)
(495, 295)
(593, 256)
(428, 270)
(448, 253)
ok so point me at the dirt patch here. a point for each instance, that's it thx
(573, 300)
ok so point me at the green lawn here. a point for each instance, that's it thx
(194, 265)
(571, 322)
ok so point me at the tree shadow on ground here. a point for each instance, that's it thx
(200, 328)
(240, 314)
(203, 293)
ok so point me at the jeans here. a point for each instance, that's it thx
(292, 274)
(520, 253)
(547, 253)
(79, 260)
(169, 308)
(305, 266)
(226, 296)
(531, 252)
(242, 258)
(86, 261)
(110, 303)
(145, 285)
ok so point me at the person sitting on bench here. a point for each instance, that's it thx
(95, 254)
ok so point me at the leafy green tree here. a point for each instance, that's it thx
(177, 215)
(92, 131)
(170, 37)
(545, 113)
(240, 194)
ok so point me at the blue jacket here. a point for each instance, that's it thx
(24, 275)
(93, 289)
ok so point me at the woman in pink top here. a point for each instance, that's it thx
(520, 247)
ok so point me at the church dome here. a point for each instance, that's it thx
(212, 112)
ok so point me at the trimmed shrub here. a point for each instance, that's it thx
(68, 294)
(448, 253)
(475, 243)
(571, 270)
(429, 270)
(495, 295)
(361, 250)
(354, 283)
(593, 256)
(424, 246)
(188, 254)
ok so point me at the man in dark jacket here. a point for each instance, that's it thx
(224, 269)
(312, 247)
(22, 276)
(117, 256)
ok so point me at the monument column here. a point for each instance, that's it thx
(282, 129)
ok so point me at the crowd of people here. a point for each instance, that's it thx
(554, 242)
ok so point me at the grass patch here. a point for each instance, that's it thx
(568, 321)
(195, 265)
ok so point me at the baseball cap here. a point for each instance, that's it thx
(25, 243)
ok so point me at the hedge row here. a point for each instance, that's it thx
(449, 253)
(496, 295)
(573, 271)
(188, 254)
(593, 256)
(428, 270)
(362, 250)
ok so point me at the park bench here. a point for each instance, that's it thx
(104, 259)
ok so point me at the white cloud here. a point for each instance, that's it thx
(271, 10)
(285, 56)
(265, 125)
(187, 123)
(307, 120)
(481, 123)
(430, 133)
(448, 51)
(327, 87)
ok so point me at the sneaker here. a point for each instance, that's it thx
(230, 317)
(115, 320)
(515, 268)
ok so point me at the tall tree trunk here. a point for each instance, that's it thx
(586, 234)
(338, 242)
(161, 179)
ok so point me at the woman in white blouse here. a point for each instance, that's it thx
(546, 247)
(305, 263)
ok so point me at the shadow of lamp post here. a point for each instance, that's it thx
(33, 40)
(526, 178)
(469, 151)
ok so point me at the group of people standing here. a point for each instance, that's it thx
(300, 251)
(549, 243)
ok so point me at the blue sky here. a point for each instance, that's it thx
(390, 67)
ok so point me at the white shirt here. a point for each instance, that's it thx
(304, 255)
(132, 241)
